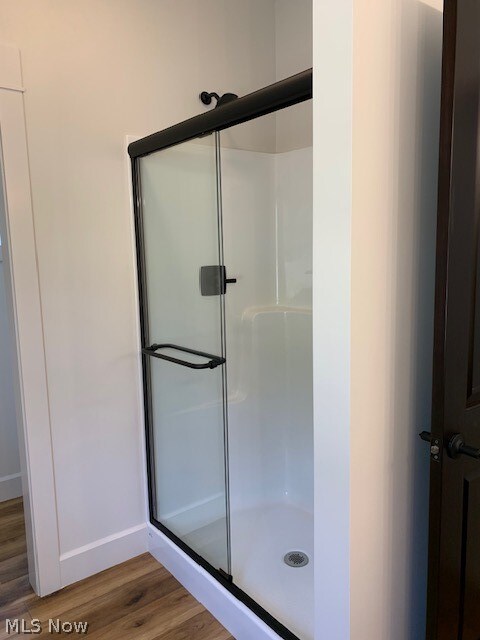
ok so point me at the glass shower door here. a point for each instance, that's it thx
(181, 280)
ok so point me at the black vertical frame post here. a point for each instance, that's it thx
(144, 337)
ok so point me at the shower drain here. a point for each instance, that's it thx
(295, 559)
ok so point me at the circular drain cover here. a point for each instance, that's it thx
(295, 559)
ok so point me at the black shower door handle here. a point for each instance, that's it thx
(213, 361)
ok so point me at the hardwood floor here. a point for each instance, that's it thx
(138, 599)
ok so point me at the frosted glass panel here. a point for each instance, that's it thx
(180, 235)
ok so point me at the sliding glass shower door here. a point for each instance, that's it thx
(182, 282)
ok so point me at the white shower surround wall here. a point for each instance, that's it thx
(267, 209)
(267, 213)
(271, 494)
(268, 338)
(267, 236)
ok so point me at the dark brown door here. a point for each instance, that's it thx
(454, 559)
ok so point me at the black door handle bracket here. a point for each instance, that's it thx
(213, 361)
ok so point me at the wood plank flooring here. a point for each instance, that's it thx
(138, 599)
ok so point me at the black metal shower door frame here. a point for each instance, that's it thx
(280, 95)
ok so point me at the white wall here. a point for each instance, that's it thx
(396, 102)
(23, 299)
(332, 210)
(293, 53)
(10, 478)
(95, 71)
(389, 203)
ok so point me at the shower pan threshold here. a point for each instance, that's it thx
(259, 570)
(238, 618)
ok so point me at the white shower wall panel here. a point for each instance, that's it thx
(294, 202)
(270, 426)
(248, 189)
(298, 407)
(267, 235)
(248, 197)
(267, 245)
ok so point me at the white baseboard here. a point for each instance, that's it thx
(242, 623)
(10, 487)
(102, 554)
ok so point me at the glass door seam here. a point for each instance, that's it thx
(223, 353)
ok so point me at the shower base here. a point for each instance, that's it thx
(260, 539)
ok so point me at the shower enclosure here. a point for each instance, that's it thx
(223, 216)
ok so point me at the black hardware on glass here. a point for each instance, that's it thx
(213, 280)
(213, 361)
(457, 447)
(435, 445)
(206, 98)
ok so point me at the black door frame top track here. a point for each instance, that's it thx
(283, 94)
(280, 95)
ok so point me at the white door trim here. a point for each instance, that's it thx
(23, 294)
